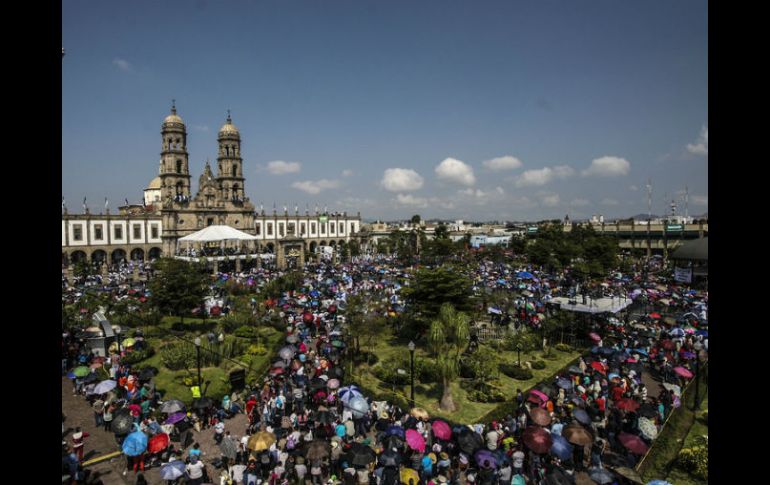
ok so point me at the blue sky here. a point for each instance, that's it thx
(481, 110)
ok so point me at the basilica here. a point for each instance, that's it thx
(171, 211)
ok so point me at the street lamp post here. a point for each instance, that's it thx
(198, 351)
(411, 372)
(518, 352)
(117, 333)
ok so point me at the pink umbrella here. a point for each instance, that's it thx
(594, 336)
(539, 394)
(683, 372)
(441, 430)
(333, 384)
(415, 440)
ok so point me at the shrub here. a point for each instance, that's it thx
(245, 332)
(391, 376)
(563, 348)
(177, 356)
(539, 364)
(428, 372)
(256, 349)
(516, 372)
(695, 459)
(134, 357)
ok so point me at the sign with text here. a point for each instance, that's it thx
(683, 275)
(532, 230)
(674, 227)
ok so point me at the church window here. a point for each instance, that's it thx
(98, 232)
(302, 228)
(331, 228)
(312, 228)
(235, 170)
(280, 229)
(342, 228)
(77, 232)
(118, 232)
(269, 228)
(154, 230)
(259, 228)
(323, 228)
(178, 166)
(137, 231)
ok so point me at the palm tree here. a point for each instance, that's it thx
(448, 338)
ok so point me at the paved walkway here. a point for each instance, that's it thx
(100, 442)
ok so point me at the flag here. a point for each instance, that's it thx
(62, 203)
(106, 204)
(127, 202)
(84, 204)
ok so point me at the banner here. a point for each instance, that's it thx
(683, 275)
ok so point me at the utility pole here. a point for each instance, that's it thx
(649, 220)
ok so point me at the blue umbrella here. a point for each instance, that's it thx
(658, 482)
(71, 375)
(358, 405)
(677, 332)
(485, 456)
(396, 431)
(565, 384)
(640, 352)
(135, 443)
(606, 351)
(705, 333)
(348, 392)
(560, 447)
(525, 275)
(581, 416)
(172, 470)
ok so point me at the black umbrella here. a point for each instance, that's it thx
(581, 415)
(360, 455)
(390, 458)
(337, 373)
(148, 373)
(317, 384)
(647, 410)
(202, 403)
(393, 441)
(92, 377)
(300, 380)
(469, 441)
(316, 450)
(557, 476)
(122, 424)
(324, 417)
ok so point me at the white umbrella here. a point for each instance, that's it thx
(105, 386)
(358, 405)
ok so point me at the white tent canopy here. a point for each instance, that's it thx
(218, 233)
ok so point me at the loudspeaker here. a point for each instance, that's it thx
(238, 379)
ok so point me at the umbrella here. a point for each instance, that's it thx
(172, 470)
(673, 387)
(485, 459)
(105, 386)
(394, 430)
(647, 428)
(260, 441)
(659, 482)
(627, 404)
(582, 416)
(333, 384)
(668, 344)
(393, 441)
(677, 332)
(287, 352)
(539, 395)
(276, 371)
(317, 383)
(415, 440)
(317, 450)
(172, 406)
(633, 443)
(279, 364)
(389, 458)
(122, 424)
(349, 392)
(96, 365)
(360, 454)
(598, 367)
(557, 476)
(90, 378)
(563, 383)
(441, 430)
(419, 413)
(71, 375)
(688, 355)
(537, 439)
(573, 369)
(681, 371)
(129, 342)
(338, 343)
(577, 435)
(605, 351)
(654, 315)
(292, 339)
(540, 416)
(408, 474)
(228, 448)
(202, 403)
(601, 475)
(648, 410)
(628, 473)
(81, 371)
(469, 441)
(135, 444)
(157, 443)
(560, 447)
(594, 336)
(358, 405)
(176, 417)
(640, 352)
(324, 417)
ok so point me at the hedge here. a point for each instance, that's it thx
(516, 372)
(539, 364)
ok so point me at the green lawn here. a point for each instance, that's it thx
(428, 395)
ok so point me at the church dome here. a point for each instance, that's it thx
(154, 184)
(173, 117)
(229, 128)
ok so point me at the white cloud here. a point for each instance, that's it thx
(500, 190)
(457, 171)
(315, 186)
(700, 200)
(122, 64)
(608, 201)
(347, 173)
(550, 200)
(579, 202)
(608, 166)
(412, 201)
(701, 146)
(633, 188)
(503, 163)
(401, 180)
(279, 167)
(544, 175)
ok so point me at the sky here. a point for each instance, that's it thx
(488, 110)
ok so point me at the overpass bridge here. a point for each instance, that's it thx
(658, 237)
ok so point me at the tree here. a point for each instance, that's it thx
(434, 287)
(416, 219)
(448, 338)
(442, 232)
(178, 286)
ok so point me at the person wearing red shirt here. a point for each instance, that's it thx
(78, 442)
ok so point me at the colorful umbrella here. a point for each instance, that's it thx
(581, 415)
(81, 371)
(537, 439)
(158, 443)
(577, 435)
(394, 430)
(540, 395)
(172, 406)
(172, 470)
(601, 476)
(260, 441)
(633, 443)
(135, 444)
(409, 475)
(441, 430)
(333, 384)
(627, 404)
(485, 459)
(594, 336)
(176, 417)
(598, 367)
(540, 416)
(348, 392)
(415, 440)
(648, 428)
(655, 315)
(287, 352)
(681, 371)
(561, 447)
